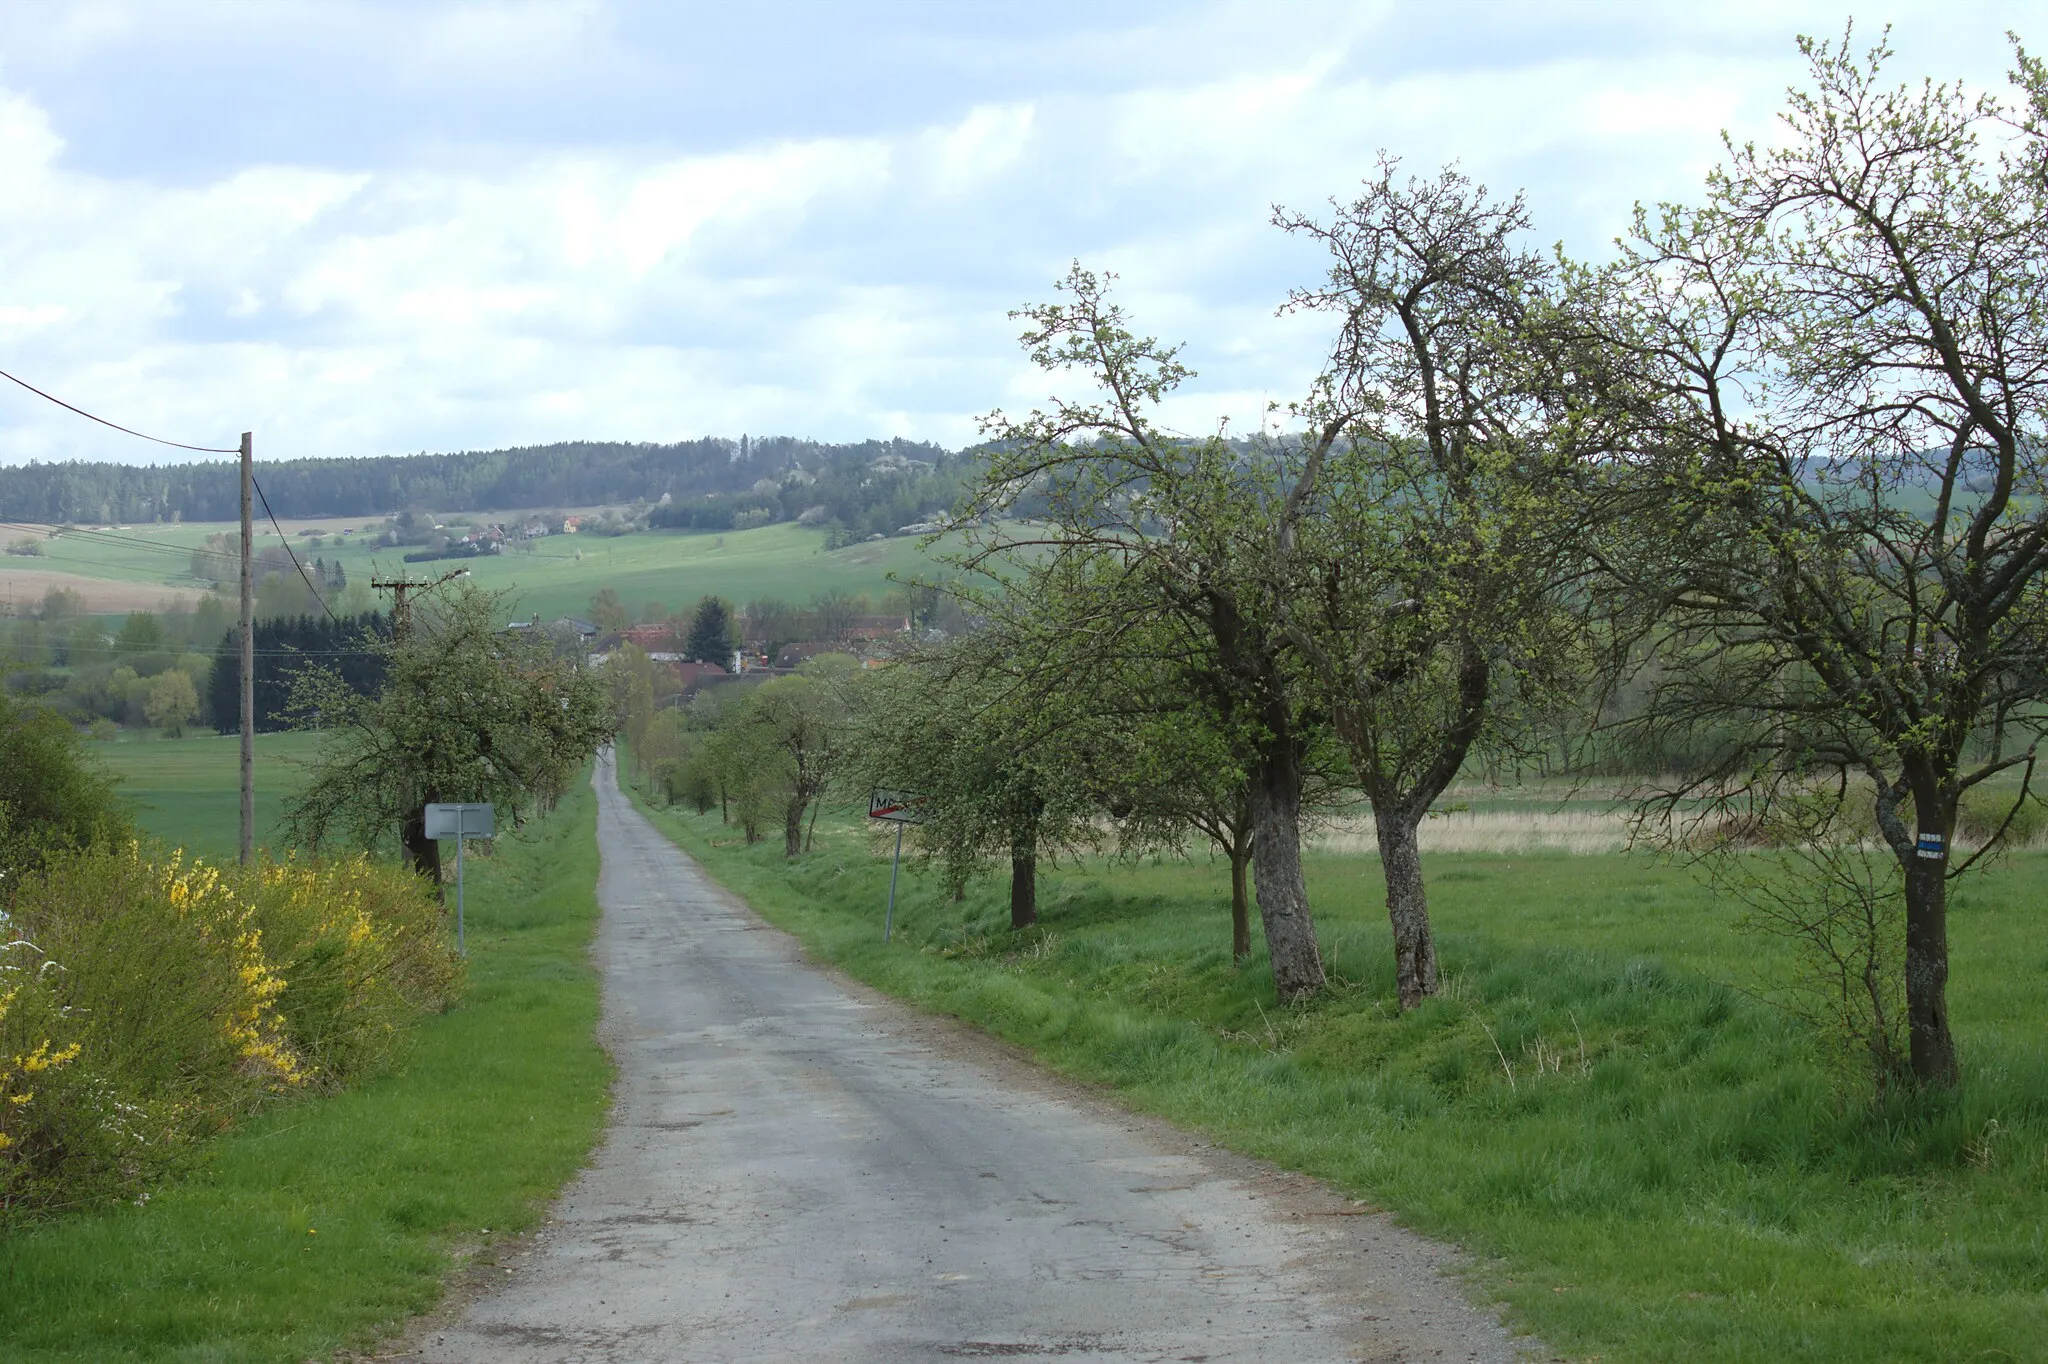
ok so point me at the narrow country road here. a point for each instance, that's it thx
(799, 1170)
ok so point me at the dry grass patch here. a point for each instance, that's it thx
(1492, 831)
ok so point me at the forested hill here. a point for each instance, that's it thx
(568, 474)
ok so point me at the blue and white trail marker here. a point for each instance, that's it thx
(1930, 846)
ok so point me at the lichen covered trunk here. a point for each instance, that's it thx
(1933, 1046)
(1415, 973)
(1277, 875)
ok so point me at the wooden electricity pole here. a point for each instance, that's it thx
(248, 656)
(401, 610)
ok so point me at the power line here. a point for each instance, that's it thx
(58, 531)
(211, 652)
(126, 431)
(94, 537)
(304, 577)
(69, 568)
(108, 645)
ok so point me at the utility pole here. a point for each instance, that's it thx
(248, 655)
(401, 611)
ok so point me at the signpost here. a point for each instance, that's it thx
(899, 808)
(460, 822)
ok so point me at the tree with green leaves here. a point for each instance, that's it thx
(607, 611)
(1836, 374)
(467, 711)
(173, 701)
(1432, 540)
(796, 733)
(1181, 770)
(1148, 528)
(53, 796)
(1147, 730)
(711, 633)
(997, 766)
(743, 761)
(632, 676)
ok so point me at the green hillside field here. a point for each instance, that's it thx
(557, 577)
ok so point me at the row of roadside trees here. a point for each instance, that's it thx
(1776, 470)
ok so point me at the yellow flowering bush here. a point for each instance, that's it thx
(33, 1049)
(362, 950)
(148, 1001)
(27, 1050)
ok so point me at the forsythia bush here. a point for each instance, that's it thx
(146, 1003)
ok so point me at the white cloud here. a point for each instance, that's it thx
(840, 283)
(978, 149)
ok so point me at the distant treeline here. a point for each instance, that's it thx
(861, 485)
(877, 491)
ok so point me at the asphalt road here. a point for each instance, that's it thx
(798, 1169)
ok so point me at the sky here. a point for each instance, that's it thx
(375, 228)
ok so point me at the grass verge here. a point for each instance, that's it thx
(324, 1224)
(1645, 1163)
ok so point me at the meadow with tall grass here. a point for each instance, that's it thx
(1641, 1156)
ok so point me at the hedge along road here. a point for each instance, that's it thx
(800, 1169)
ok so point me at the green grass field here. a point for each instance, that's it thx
(1644, 1161)
(324, 1224)
(557, 577)
(184, 791)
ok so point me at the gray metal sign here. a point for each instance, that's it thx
(472, 820)
(461, 822)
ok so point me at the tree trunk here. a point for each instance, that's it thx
(1398, 811)
(1933, 1045)
(1240, 904)
(1415, 975)
(424, 852)
(1023, 886)
(1024, 868)
(792, 828)
(1277, 876)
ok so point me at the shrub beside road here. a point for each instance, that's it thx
(316, 1225)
